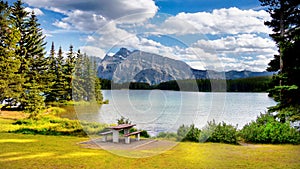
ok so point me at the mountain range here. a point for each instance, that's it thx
(139, 66)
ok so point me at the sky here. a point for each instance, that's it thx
(206, 34)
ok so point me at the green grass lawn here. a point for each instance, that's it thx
(39, 151)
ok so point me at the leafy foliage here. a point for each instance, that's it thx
(266, 129)
(52, 125)
(123, 120)
(143, 133)
(219, 133)
(167, 135)
(188, 133)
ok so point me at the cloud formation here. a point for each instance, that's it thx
(219, 21)
(90, 15)
(36, 11)
(237, 41)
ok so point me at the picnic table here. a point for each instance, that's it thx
(114, 130)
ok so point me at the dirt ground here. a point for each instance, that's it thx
(12, 115)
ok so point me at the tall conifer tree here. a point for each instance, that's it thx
(69, 70)
(285, 24)
(33, 63)
(10, 80)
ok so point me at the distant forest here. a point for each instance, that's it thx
(253, 84)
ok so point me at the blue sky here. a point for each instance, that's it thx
(206, 34)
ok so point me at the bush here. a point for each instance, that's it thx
(52, 125)
(219, 133)
(93, 128)
(188, 133)
(266, 129)
(167, 135)
(54, 111)
(143, 133)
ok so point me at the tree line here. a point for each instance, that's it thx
(29, 76)
(254, 84)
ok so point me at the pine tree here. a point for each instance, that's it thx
(9, 61)
(37, 64)
(19, 20)
(33, 63)
(78, 82)
(51, 76)
(89, 80)
(285, 24)
(98, 93)
(69, 70)
(59, 92)
(92, 82)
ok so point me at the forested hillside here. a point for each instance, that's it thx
(32, 78)
(254, 84)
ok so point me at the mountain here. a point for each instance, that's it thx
(139, 66)
(109, 64)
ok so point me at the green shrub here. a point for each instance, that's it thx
(93, 128)
(188, 133)
(266, 129)
(167, 135)
(52, 125)
(219, 133)
(143, 133)
(55, 111)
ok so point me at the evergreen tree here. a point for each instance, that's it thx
(98, 93)
(89, 81)
(51, 76)
(10, 81)
(69, 70)
(78, 82)
(285, 24)
(33, 63)
(59, 92)
(19, 20)
(36, 77)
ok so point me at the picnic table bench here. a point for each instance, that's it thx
(105, 134)
(127, 136)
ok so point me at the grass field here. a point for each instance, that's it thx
(39, 151)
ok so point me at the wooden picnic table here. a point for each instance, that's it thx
(116, 129)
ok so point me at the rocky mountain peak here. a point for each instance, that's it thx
(139, 66)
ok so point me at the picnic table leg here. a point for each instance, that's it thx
(127, 139)
(115, 136)
(104, 138)
(137, 137)
(126, 131)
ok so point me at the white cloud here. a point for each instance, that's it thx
(219, 21)
(110, 35)
(62, 25)
(238, 44)
(239, 52)
(36, 11)
(90, 38)
(90, 15)
(92, 51)
(173, 25)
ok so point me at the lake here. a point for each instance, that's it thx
(157, 110)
